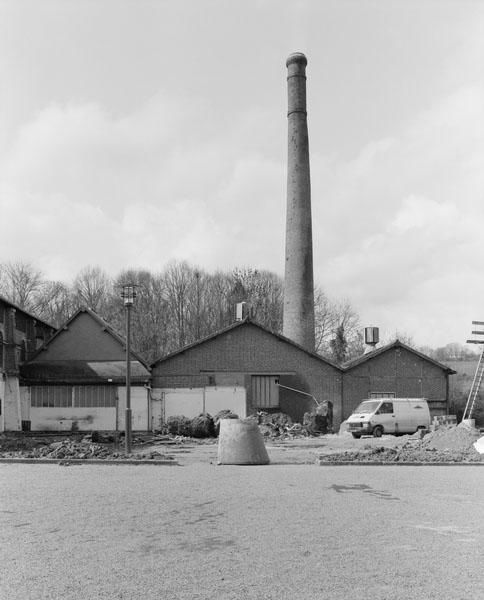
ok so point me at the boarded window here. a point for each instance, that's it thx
(94, 396)
(50, 396)
(265, 391)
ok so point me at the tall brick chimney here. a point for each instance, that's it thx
(298, 320)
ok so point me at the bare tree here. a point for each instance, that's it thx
(92, 288)
(20, 282)
(54, 303)
(329, 316)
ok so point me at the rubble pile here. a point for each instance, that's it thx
(68, 449)
(458, 438)
(450, 444)
(222, 414)
(274, 424)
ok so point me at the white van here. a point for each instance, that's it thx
(389, 415)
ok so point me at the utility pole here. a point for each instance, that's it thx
(128, 294)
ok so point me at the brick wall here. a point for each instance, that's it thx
(397, 371)
(232, 357)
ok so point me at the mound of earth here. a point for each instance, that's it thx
(453, 444)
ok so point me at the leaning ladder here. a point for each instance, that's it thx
(475, 387)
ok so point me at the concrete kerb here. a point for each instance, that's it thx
(325, 463)
(89, 461)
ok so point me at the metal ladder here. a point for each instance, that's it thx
(475, 387)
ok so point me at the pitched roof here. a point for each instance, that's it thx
(396, 344)
(237, 324)
(28, 314)
(102, 323)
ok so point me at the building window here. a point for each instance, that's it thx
(265, 391)
(50, 396)
(373, 395)
(94, 396)
(79, 396)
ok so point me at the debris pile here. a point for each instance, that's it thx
(274, 424)
(69, 449)
(450, 444)
(222, 414)
(459, 438)
(319, 420)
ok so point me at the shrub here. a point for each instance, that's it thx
(179, 425)
(202, 426)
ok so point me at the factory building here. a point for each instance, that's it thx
(21, 334)
(245, 368)
(77, 380)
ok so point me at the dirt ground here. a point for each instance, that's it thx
(452, 444)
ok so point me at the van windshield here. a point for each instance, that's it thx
(367, 407)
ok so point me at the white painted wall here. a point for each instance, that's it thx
(62, 419)
(11, 404)
(190, 402)
(233, 398)
(25, 403)
(92, 418)
(140, 409)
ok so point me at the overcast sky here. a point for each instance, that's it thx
(135, 132)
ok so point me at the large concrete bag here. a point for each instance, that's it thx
(240, 443)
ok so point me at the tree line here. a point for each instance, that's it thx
(178, 305)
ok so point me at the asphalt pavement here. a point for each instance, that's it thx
(204, 531)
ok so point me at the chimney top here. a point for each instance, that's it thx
(296, 57)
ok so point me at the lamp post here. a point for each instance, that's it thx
(128, 294)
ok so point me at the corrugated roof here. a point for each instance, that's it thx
(80, 371)
(396, 344)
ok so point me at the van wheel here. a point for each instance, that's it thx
(356, 435)
(378, 431)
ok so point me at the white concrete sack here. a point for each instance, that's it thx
(479, 445)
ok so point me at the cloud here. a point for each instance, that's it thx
(141, 189)
(402, 239)
(396, 227)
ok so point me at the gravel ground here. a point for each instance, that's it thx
(232, 533)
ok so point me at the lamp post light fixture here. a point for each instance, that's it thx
(128, 294)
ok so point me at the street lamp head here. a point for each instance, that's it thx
(129, 293)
